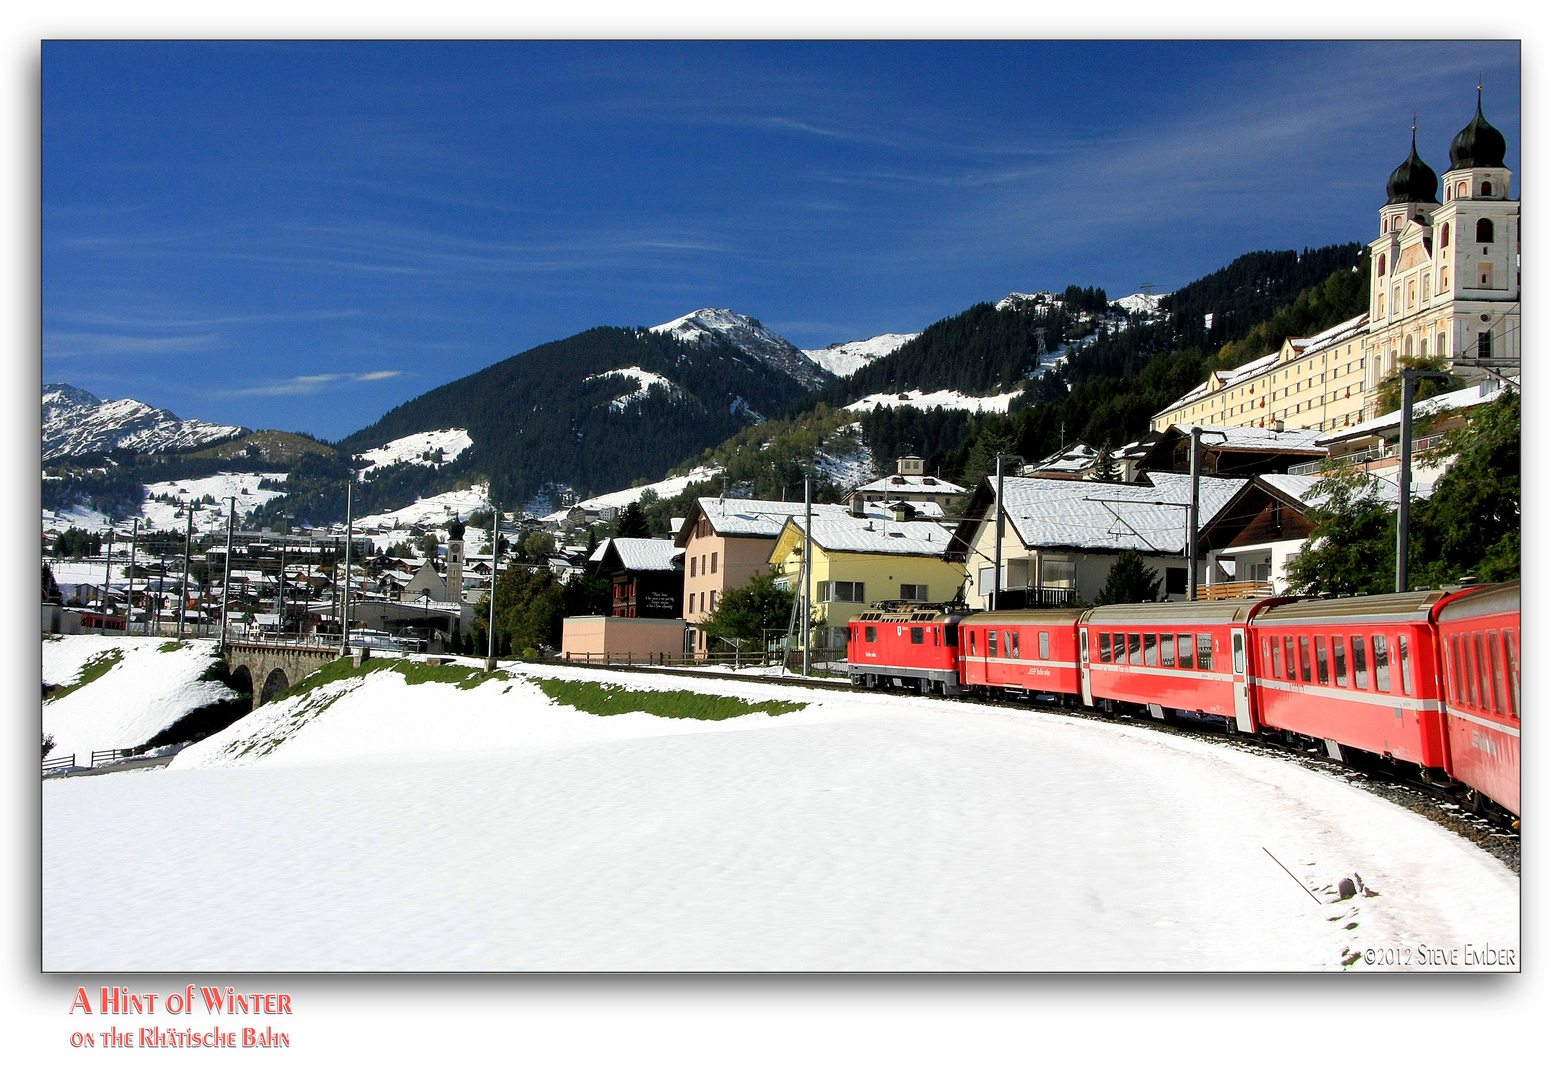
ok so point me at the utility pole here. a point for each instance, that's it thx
(184, 584)
(493, 580)
(992, 604)
(347, 593)
(130, 593)
(227, 569)
(808, 570)
(108, 564)
(1193, 517)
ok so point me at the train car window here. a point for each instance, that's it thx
(1451, 652)
(1323, 660)
(992, 643)
(1480, 670)
(1404, 664)
(872, 633)
(1468, 667)
(1339, 660)
(1206, 644)
(1304, 651)
(1290, 658)
(1134, 656)
(1274, 656)
(1168, 651)
(1510, 648)
(916, 635)
(1043, 646)
(1119, 648)
(1185, 650)
(973, 642)
(1104, 641)
(1358, 652)
(1496, 681)
(1238, 664)
(1380, 661)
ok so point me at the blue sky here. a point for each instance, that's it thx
(304, 235)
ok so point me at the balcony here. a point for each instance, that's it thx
(1361, 457)
(1236, 590)
(1035, 596)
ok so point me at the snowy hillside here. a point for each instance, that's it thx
(949, 399)
(1141, 303)
(648, 380)
(244, 488)
(151, 684)
(436, 448)
(432, 510)
(843, 359)
(664, 489)
(76, 422)
(862, 832)
(752, 337)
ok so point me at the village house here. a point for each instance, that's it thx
(910, 484)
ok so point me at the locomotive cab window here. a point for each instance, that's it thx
(916, 635)
(871, 633)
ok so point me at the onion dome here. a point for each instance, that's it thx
(1414, 181)
(1478, 146)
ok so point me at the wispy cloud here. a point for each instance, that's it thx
(58, 345)
(305, 384)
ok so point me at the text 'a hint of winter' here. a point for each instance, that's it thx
(120, 1002)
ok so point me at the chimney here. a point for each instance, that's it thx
(903, 511)
(856, 504)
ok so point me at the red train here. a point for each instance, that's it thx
(1426, 678)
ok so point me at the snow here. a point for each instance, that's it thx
(432, 510)
(491, 828)
(243, 487)
(843, 359)
(138, 697)
(750, 335)
(949, 399)
(648, 381)
(419, 447)
(1141, 303)
(664, 489)
(77, 422)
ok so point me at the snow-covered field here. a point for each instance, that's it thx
(433, 510)
(450, 442)
(154, 683)
(243, 487)
(847, 358)
(648, 380)
(664, 489)
(434, 827)
(949, 399)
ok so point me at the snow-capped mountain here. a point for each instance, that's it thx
(843, 359)
(1141, 303)
(750, 335)
(76, 422)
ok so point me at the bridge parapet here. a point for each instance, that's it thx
(272, 667)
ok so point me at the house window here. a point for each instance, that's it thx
(1483, 231)
(1464, 189)
(1058, 574)
(713, 594)
(691, 603)
(848, 592)
(713, 562)
(1486, 187)
(1483, 344)
(1484, 269)
(913, 592)
(1382, 264)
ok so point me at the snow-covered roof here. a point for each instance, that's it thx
(639, 554)
(1077, 458)
(1296, 487)
(1292, 440)
(1299, 348)
(1455, 399)
(902, 486)
(756, 517)
(878, 536)
(1093, 515)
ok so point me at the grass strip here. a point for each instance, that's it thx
(457, 675)
(605, 699)
(99, 665)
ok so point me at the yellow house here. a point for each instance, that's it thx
(858, 561)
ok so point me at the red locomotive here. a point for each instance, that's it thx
(1428, 678)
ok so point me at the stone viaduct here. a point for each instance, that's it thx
(271, 669)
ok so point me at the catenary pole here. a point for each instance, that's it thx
(184, 582)
(808, 571)
(1407, 387)
(493, 578)
(992, 604)
(1193, 516)
(130, 594)
(227, 568)
(108, 564)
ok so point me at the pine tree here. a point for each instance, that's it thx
(632, 523)
(1104, 468)
(1129, 581)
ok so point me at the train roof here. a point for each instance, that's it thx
(1202, 611)
(1481, 600)
(1387, 607)
(1025, 617)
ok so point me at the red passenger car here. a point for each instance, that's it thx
(1034, 651)
(1478, 638)
(1358, 672)
(1192, 658)
(904, 646)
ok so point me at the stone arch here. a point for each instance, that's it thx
(1483, 231)
(276, 682)
(243, 681)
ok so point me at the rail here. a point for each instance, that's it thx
(273, 639)
(53, 763)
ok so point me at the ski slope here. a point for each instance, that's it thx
(491, 828)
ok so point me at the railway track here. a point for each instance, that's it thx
(1428, 800)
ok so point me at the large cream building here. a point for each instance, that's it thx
(1445, 282)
